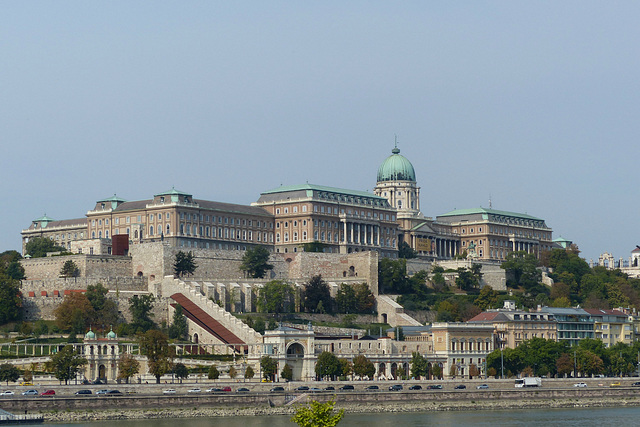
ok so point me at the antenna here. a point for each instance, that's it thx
(490, 206)
(395, 140)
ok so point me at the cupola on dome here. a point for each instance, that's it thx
(396, 168)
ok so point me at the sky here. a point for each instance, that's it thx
(532, 105)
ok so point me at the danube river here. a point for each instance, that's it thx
(601, 417)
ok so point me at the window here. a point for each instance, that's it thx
(151, 230)
(286, 210)
(295, 209)
(277, 211)
(304, 208)
(150, 217)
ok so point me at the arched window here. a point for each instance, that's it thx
(93, 234)
(168, 229)
(151, 230)
(100, 234)
(181, 228)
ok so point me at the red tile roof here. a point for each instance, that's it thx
(487, 316)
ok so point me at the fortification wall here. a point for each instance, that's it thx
(95, 266)
(333, 267)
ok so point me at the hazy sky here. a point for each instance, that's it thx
(534, 104)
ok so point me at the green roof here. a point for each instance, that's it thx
(396, 168)
(113, 198)
(44, 218)
(313, 187)
(172, 192)
(485, 211)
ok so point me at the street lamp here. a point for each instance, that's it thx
(501, 363)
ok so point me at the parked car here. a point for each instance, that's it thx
(580, 385)
(277, 389)
(214, 390)
(396, 387)
(27, 383)
(103, 391)
(169, 391)
(226, 389)
(415, 387)
(243, 390)
(636, 384)
(48, 393)
(79, 392)
(303, 388)
(482, 387)
(194, 390)
(346, 387)
(616, 384)
(112, 392)
(330, 388)
(30, 392)
(7, 393)
(435, 387)
(372, 388)
(460, 387)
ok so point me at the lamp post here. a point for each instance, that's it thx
(501, 364)
(575, 371)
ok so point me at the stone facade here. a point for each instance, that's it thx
(90, 266)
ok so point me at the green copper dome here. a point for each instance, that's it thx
(90, 335)
(396, 168)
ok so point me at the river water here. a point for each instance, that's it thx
(600, 417)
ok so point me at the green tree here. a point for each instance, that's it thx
(365, 301)
(314, 246)
(418, 365)
(405, 251)
(436, 371)
(255, 262)
(269, 368)
(128, 366)
(287, 372)
(328, 365)
(105, 309)
(522, 267)
(363, 367)
(75, 314)
(466, 280)
(181, 372)
(275, 296)
(15, 271)
(10, 301)
(488, 298)
(38, 247)
(69, 269)
(318, 415)
(8, 373)
(392, 276)
(213, 374)
(316, 291)
(346, 301)
(249, 373)
(184, 264)
(346, 367)
(155, 345)
(179, 327)
(66, 363)
(140, 308)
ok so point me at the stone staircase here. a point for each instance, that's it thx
(194, 292)
(393, 313)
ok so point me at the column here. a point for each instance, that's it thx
(344, 236)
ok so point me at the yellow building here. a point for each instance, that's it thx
(612, 326)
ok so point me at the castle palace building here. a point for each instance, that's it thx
(287, 218)
(342, 221)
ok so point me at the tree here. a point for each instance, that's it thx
(466, 280)
(155, 345)
(346, 367)
(179, 327)
(365, 301)
(392, 276)
(405, 251)
(15, 271)
(232, 372)
(522, 267)
(184, 264)
(140, 308)
(287, 372)
(10, 301)
(213, 374)
(255, 262)
(69, 269)
(9, 373)
(65, 363)
(269, 368)
(316, 292)
(318, 415)
(275, 296)
(488, 298)
(327, 365)
(75, 314)
(436, 371)
(418, 365)
(128, 366)
(38, 247)
(249, 373)
(363, 367)
(106, 310)
(346, 301)
(181, 371)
